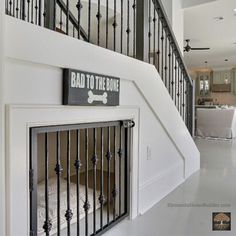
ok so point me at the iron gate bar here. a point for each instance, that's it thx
(114, 191)
(47, 224)
(101, 197)
(120, 156)
(69, 213)
(58, 170)
(94, 161)
(86, 203)
(108, 172)
(77, 167)
(33, 181)
(121, 26)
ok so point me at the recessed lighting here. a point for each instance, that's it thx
(226, 59)
(219, 18)
(234, 9)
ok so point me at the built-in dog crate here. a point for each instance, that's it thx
(79, 177)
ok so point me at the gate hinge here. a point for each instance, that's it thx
(128, 124)
(31, 180)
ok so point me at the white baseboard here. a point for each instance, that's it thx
(155, 189)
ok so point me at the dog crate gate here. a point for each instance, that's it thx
(79, 177)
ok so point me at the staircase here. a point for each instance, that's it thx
(136, 28)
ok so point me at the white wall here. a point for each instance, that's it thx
(178, 22)
(33, 76)
(2, 161)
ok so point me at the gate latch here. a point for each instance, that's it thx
(128, 124)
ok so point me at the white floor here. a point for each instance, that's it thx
(214, 184)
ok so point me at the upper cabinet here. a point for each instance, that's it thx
(222, 81)
(222, 77)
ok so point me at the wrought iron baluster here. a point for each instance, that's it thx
(79, 7)
(178, 94)
(128, 31)
(101, 197)
(149, 31)
(108, 156)
(86, 203)
(134, 28)
(162, 51)
(180, 91)
(69, 213)
(47, 223)
(40, 12)
(158, 45)
(175, 81)
(94, 162)
(121, 26)
(89, 20)
(184, 101)
(58, 170)
(17, 9)
(28, 10)
(77, 168)
(61, 22)
(114, 27)
(7, 7)
(172, 73)
(10, 5)
(36, 11)
(98, 19)
(107, 26)
(32, 11)
(169, 80)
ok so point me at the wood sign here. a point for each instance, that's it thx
(90, 89)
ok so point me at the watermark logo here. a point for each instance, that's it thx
(221, 221)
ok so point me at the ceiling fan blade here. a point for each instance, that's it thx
(200, 48)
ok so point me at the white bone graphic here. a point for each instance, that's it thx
(99, 98)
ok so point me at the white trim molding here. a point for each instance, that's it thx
(20, 119)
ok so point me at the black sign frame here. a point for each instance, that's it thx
(82, 88)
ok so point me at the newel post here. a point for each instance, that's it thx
(50, 14)
(142, 30)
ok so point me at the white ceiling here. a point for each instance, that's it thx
(190, 3)
(204, 31)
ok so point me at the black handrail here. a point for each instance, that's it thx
(160, 9)
(72, 19)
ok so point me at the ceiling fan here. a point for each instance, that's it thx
(188, 48)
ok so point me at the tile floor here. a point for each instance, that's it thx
(214, 184)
